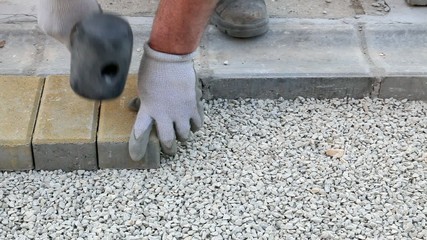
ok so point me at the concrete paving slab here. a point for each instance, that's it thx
(17, 10)
(18, 54)
(20, 98)
(130, 7)
(141, 32)
(399, 49)
(65, 133)
(276, 8)
(400, 12)
(25, 10)
(312, 9)
(115, 125)
(55, 59)
(294, 49)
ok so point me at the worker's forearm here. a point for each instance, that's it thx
(179, 25)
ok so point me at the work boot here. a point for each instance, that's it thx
(241, 18)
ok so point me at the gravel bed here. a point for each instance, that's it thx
(260, 169)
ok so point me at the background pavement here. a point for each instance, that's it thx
(276, 8)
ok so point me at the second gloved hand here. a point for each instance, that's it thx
(170, 99)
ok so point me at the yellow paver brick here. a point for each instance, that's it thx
(20, 97)
(65, 133)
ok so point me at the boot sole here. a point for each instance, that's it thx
(239, 31)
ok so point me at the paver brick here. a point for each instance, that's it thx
(20, 98)
(115, 125)
(65, 133)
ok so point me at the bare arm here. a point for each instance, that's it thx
(179, 25)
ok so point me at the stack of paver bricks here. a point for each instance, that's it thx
(46, 126)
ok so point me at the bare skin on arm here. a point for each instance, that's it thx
(179, 25)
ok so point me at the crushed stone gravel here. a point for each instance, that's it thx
(257, 170)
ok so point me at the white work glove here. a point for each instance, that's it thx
(58, 17)
(170, 98)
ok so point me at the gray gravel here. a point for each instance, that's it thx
(258, 170)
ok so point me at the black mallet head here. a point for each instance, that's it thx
(101, 51)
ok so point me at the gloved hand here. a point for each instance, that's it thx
(170, 98)
(58, 17)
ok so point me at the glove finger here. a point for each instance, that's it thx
(139, 136)
(196, 121)
(152, 154)
(142, 123)
(138, 145)
(182, 130)
(166, 133)
(199, 93)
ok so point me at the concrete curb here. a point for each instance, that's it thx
(328, 60)
(47, 126)
(299, 55)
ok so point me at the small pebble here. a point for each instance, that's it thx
(338, 153)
